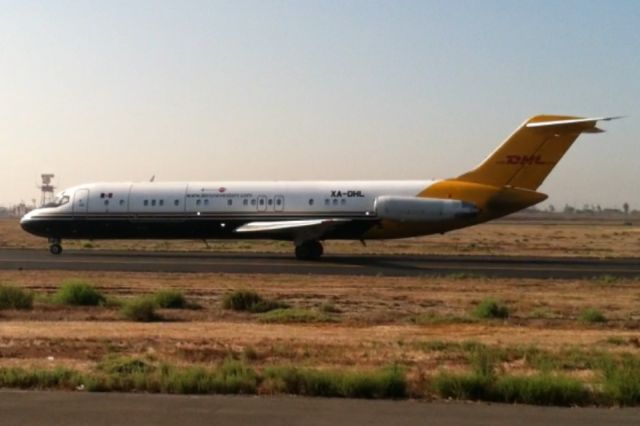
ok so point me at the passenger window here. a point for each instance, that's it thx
(310, 201)
(153, 202)
(198, 202)
(206, 202)
(253, 202)
(335, 201)
(270, 201)
(176, 203)
(245, 202)
(261, 201)
(343, 201)
(122, 202)
(146, 202)
(161, 202)
(102, 195)
(229, 202)
(278, 201)
(111, 195)
(106, 202)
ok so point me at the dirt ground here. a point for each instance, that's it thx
(373, 321)
(608, 239)
(366, 322)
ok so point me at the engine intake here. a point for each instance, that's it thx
(417, 209)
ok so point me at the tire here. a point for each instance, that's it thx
(316, 250)
(55, 249)
(311, 250)
(302, 252)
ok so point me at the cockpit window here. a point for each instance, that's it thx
(60, 200)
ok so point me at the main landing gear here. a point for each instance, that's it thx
(54, 246)
(309, 250)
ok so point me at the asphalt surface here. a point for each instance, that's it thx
(78, 408)
(382, 265)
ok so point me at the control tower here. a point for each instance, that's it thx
(46, 188)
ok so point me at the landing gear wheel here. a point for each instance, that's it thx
(311, 250)
(55, 249)
(316, 250)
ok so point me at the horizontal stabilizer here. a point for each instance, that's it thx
(571, 121)
(585, 125)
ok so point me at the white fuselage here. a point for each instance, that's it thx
(302, 212)
(279, 198)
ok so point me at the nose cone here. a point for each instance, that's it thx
(26, 222)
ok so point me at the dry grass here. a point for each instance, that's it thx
(372, 324)
(367, 300)
(364, 299)
(498, 238)
(423, 324)
(373, 327)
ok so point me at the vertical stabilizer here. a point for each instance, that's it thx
(527, 157)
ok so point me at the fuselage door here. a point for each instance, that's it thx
(81, 201)
(279, 203)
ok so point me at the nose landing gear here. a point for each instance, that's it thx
(309, 250)
(54, 246)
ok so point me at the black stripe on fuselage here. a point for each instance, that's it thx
(190, 226)
(212, 215)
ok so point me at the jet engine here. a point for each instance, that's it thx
(418, 209)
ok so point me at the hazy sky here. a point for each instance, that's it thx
(189, 90)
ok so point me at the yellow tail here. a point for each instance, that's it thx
(508, 179)
(527, 157)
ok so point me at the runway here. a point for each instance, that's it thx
(79, 408)
(367, 265)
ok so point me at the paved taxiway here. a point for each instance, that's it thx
(386, 265)
(79, 408)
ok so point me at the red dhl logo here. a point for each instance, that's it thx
(524, 160)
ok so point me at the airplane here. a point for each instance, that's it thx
(310, 212)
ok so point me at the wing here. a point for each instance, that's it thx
(297, 230)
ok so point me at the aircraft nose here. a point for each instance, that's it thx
(33, 224)
(26, 222)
